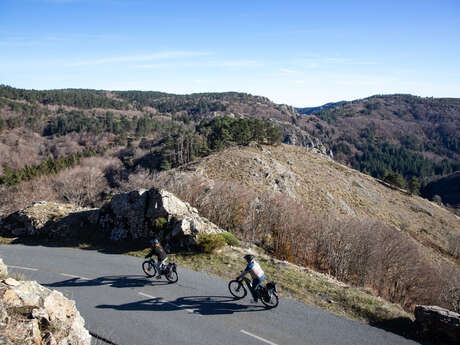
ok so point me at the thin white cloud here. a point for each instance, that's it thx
(287, 71)
(237, 63)
(137, 58)
(343, 61)
(315, 62)
(201, 81)
(277, 34)
(149, 66)
(23, 41)
(361, 80)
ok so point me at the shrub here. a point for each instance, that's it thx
(229, 238)
(208, 243)
(160, 222)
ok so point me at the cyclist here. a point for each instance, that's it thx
(158, 250)
(257, 275)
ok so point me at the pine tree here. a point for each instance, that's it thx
(414, 185)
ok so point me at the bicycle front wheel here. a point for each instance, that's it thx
(149, 269)
(237, 289)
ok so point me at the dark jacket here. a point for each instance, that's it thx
(158, 251)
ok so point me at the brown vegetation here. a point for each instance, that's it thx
(361, 252)
(280, 205)
(298, 205)
(84, 185)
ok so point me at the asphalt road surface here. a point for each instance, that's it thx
(119, 303)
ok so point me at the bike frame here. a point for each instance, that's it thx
(164, 270)
(249, 285)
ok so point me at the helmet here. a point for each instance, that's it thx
(154, 241)
(249, 257)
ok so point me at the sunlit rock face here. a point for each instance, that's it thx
(137, 215)
(33, 314)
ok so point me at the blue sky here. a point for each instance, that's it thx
(302, 53)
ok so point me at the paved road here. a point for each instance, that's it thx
(120, 304)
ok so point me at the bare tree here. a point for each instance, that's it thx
(80, 186)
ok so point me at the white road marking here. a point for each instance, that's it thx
(72, 276)
(257, 337)
(23, 268)
(145, 295)
(165, 301)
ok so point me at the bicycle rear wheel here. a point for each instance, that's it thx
(149, 269)
(172, 276)
(270, 299)
(237, 289)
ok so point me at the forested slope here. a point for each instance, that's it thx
(397, 137)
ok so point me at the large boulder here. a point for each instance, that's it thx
(3, 270)
(49, 219)
(437, 324)
(33, 314)
(143, 214)
(135, 215)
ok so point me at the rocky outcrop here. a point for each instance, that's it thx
(143, 214)
(293, 135)
(48, 219)
(3, 270)
(437, 325)
(136, 215)
(33, 314)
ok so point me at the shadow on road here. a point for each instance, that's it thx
(122, 281)
(203, 305)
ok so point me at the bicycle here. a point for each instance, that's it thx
(169, 271)
(268, 294)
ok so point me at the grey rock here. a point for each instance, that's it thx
(49, 219)
(135, 215)
(144, 214)
(11, 282)
(436, 323)
(38, 305)
(3, 269)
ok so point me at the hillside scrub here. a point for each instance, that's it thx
(209, 243)
(369, 134)
(361, 252)
(83, 185)
(157, 131)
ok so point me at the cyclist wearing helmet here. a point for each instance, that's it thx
(158, 250)
(256, 272)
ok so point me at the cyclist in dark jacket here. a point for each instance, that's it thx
(160, 253)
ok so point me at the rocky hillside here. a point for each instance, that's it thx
(65, 122)
(122, 131)
(137, 215)
(306, 208)
(296, 203)
(324, 186)
(33, 314)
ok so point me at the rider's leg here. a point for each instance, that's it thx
(160, 267)
(163, 262)
(255, 287)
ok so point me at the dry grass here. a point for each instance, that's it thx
(323, 185)
(320, 214)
